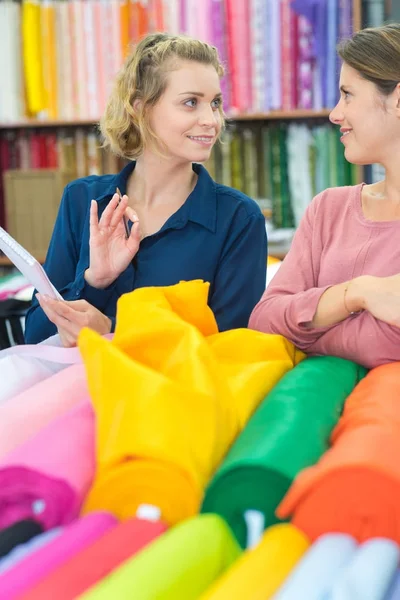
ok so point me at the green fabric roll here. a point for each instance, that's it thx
(179, 565)
(289, 431)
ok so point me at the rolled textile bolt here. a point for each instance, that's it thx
(255, 521)
(148, 512)
(370, 572)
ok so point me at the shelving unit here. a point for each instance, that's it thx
(271, 116)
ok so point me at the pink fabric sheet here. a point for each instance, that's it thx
(47, 477)
(30, 411)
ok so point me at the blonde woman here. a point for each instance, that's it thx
(164, 115)
(338, 290)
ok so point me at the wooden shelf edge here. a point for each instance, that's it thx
(270, 116)
(39, 124)
(280, 115)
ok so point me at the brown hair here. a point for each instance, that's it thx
(375, 53)
(144, 77)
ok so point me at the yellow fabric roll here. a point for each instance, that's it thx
(31, 44)
(143, 414)
(260, 572)
(170, 398)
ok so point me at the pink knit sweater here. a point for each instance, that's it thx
(334, 243)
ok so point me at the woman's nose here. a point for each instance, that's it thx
(208, 117)
(336, 114)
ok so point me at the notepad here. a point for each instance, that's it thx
(28, 265)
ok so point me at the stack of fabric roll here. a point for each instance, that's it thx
(166, 462)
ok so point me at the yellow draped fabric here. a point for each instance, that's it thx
(260, 572)
(170, 396)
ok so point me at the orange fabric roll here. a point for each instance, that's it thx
(355, 487)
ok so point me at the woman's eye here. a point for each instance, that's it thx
(216, 103)
(191, 102)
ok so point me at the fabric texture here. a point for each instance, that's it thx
(18, 533)
(355, 487)
(161, 443)
(23, 576)
(25, 365)
(43, 479)
(179, 565)
(43, 402)
(89, 565)
(288, 432)
(259, 572)
(26, 548)
(315, 573)
(369, 573)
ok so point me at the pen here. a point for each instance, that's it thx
(127, 232)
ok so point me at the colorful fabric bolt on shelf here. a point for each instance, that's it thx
(289, 431)
(43, 402)
(369, 573)
(47, 477)
(170, 399)
(355, 487)
(93, 563)
(259, 572)
(179, 565)
(314, 575)
(31, 35)
(25, 574)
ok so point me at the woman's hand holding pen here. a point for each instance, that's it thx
(71, 317)
(111, 250)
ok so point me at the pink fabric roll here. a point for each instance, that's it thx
(31, 569)
(47, 477)
(27, 413)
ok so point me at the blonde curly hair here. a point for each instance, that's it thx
(126, 130)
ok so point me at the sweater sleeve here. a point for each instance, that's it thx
(361, 338)
(290, 301)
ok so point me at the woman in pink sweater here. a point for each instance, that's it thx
(338, 290)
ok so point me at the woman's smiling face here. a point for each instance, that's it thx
(187, 118)
(368, 121)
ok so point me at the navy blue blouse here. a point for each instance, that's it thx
(217, 235)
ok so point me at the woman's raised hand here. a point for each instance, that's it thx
(111, 250)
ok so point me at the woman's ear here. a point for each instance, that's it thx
(137, 105)
(397, 99)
